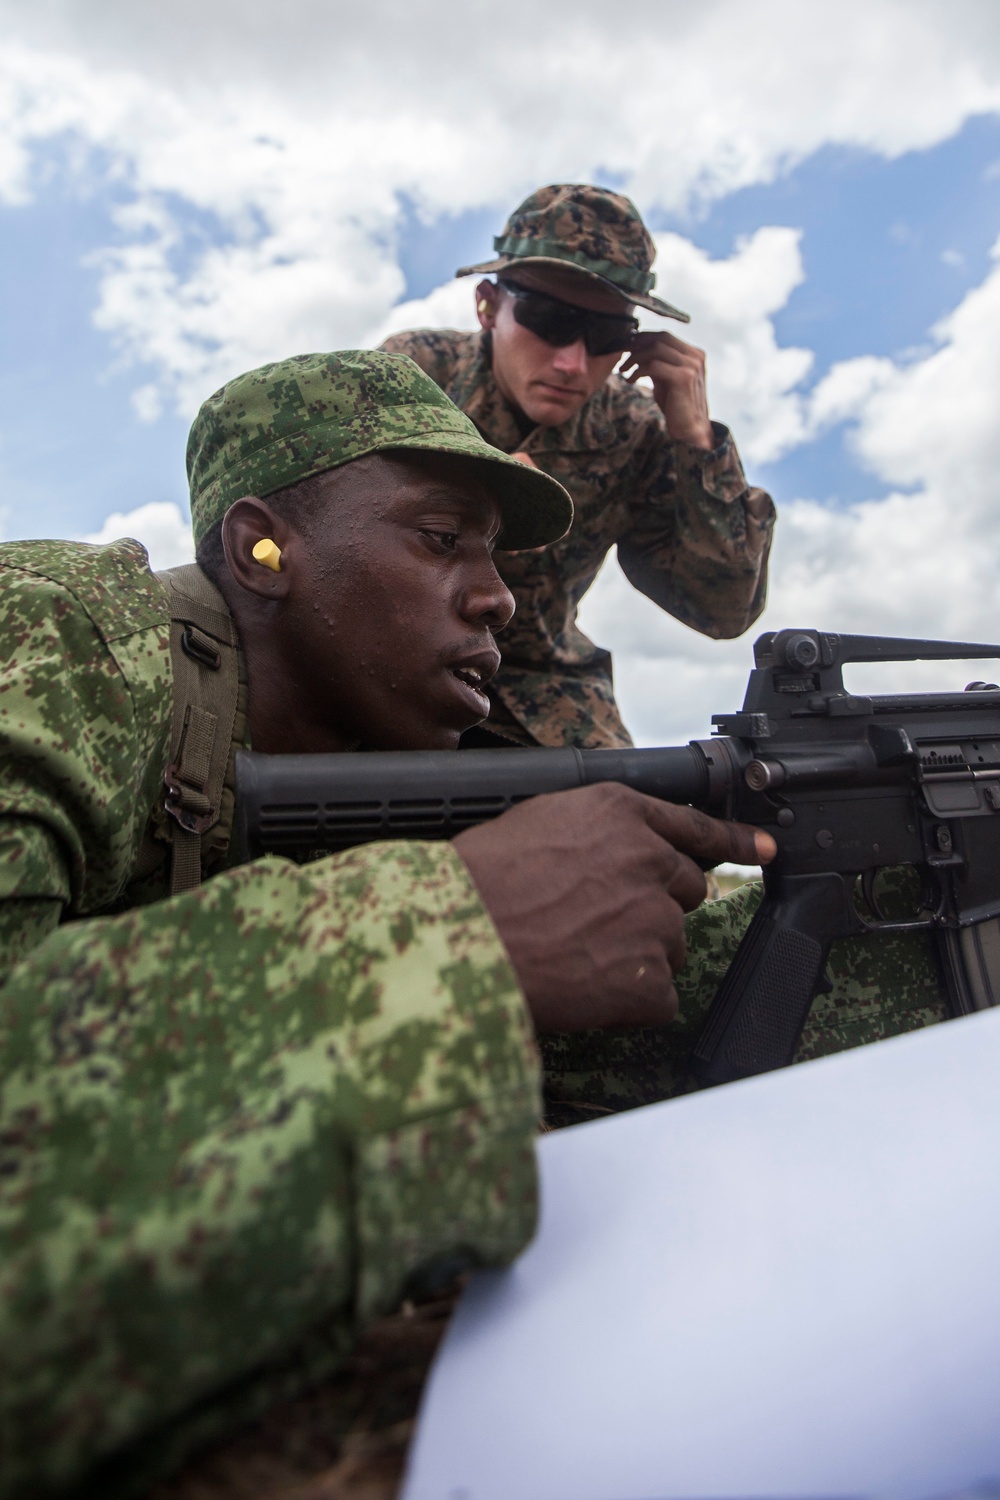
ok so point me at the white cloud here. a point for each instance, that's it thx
(448, 306)
(159, 526)
(731, 301)
(260, 153)
(147, 402)
(925, 563)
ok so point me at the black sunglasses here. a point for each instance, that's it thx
(559, 323)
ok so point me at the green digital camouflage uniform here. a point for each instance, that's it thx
(881, 986)
(690, 533)
(238, 1122)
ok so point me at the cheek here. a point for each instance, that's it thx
(397, 615)
(517, 353)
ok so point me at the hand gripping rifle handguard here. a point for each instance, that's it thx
(847, 785)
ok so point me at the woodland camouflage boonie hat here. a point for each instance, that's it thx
(297, 417)
(589, 228)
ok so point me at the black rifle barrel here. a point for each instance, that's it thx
(304, 805)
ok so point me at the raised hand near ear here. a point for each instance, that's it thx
(677, 371)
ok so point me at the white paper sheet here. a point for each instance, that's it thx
(786, 1287)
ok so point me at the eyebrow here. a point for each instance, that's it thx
(451, 494)
(446, 491)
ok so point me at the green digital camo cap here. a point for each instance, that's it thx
(590, 229)
(297, 417)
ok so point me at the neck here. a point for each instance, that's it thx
(280, 719)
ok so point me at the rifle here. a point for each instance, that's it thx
(848, 785)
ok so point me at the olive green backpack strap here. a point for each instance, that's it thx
(208, 714)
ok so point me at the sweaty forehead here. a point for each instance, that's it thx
(392, 483)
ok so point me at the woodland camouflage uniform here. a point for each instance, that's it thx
(691, 534)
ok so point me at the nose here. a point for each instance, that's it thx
(486, 599)
(571, 359)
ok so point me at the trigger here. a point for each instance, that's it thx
(871, 900)
(824, 984)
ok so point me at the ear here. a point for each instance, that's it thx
(247, 522)
(488, 293)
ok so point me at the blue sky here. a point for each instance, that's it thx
(72, 448)
(889, 247)
(825, 179)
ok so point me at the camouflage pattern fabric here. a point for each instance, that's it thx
(237, 1124)
(297, 417)
(882, 986)
(589, 228)
(690, 535)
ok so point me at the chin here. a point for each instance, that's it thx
(420, 737)
(551, 413)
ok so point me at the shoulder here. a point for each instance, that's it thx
(438, 351)
(86, 702)
(111, 586)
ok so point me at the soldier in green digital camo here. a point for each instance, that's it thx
(648, 471)
(240, 1120)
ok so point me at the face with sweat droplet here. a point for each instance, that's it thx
(378, 629)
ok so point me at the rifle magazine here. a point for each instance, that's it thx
(970, 960)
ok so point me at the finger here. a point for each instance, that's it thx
(668, 340)
(711, 839)
(672, 942)
(663, 366)
(647, 996)
(690, 358)
(687, 883)
(661, 372)
(658, 1007)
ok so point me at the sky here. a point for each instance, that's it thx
(189, 190)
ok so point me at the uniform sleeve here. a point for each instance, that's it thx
(84, 718)
(236, 1125)
(699, 536)
(432, 349)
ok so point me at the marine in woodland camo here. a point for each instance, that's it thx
(691, 535)
(235, 1123)
(589, 228)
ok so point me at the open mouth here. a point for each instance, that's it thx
(473, 681)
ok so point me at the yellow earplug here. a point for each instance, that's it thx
(266, 552)
(482, 305)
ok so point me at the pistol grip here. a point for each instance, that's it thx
(761, 1006)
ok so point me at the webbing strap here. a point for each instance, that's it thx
(205, 658)
(196, 750)
(185, 861)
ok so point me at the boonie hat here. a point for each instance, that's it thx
(297, 417)
(590, 229)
